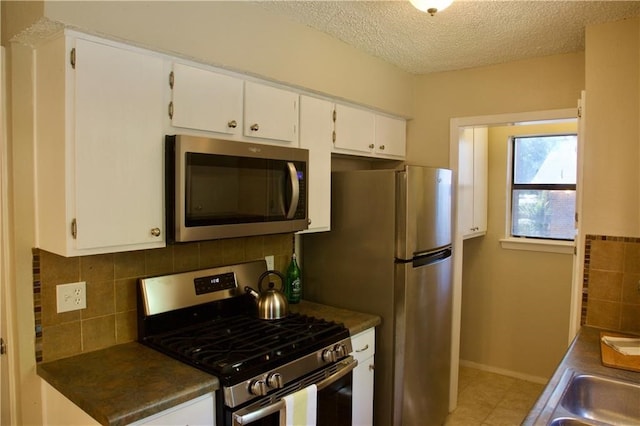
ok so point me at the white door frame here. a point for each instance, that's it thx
(455, 125)
(7, 360)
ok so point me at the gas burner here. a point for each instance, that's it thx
(241, 346)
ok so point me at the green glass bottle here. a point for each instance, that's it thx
(293, 287)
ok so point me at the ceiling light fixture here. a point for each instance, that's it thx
(431, 6)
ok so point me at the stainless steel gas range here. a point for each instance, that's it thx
(205, 319)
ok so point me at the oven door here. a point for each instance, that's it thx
(335, 385)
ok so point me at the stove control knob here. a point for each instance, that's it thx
(274, 381)
(340, 350)
(329, 355)
(258, 388)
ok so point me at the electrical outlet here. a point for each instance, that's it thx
(71, 297)
(270, 262)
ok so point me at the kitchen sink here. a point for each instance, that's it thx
(567, 421)
(588, 399)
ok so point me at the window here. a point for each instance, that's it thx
(543, 186)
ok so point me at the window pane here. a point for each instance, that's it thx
(545, 160)
(543, 214)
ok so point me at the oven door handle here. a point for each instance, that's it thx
(243, 419)
(349, 364)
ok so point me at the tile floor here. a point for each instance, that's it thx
(489, 399)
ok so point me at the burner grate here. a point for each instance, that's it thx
(232, 346)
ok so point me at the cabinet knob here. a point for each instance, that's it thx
(309, 222)
(254, 127)
(232, 124)
(381, 147)
(372, 367)
(155, 232)
(371, 146)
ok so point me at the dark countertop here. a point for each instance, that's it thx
(354, 321)
(125, 383)
(128, 382)
(583, 355)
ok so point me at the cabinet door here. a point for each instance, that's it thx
(118, 146)
(391, 136)
(363, 381)
(480, 178)
(270, 113)
(355, 129)
(472, 182)
(465, 181)
(362, 408)
(205, 100)
(316, 128)
(198, 411)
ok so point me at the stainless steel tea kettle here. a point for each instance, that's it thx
(272, 303)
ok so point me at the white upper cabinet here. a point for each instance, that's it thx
(472, 181)
(99, 136)
(366, 133)
(391, 136)
(205, 100)
(354, 130)
(270, 113)
(316, 129)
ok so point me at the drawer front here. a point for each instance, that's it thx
(364, 344)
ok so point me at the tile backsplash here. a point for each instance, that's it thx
(110, 317)
(611, 293)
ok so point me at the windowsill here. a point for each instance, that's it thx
(532, 244)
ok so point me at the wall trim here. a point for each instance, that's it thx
(503, 372)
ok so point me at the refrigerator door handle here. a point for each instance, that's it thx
(432, 257)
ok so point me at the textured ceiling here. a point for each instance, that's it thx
(470, 33)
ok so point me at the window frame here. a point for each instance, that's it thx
(511, 240)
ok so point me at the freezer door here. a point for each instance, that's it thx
(424, 214)
(423, 300)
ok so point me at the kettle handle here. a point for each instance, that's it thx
(270, 272)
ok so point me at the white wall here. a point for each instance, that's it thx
(551, 82)
(611, 200)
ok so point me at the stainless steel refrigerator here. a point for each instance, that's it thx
(389, 253)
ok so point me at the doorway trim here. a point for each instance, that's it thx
(8, 402)
(455, 125)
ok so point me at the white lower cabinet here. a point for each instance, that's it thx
(364, 344)
(198, 411)
(59, 410)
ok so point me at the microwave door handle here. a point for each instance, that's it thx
(295, 190)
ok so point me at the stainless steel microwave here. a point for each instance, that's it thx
(223, 189)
